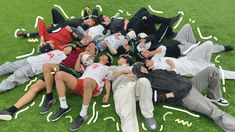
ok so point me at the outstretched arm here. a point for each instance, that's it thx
(107, 89)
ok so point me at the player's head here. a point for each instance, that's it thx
(125, 59)
(146, 54)
(106, 59)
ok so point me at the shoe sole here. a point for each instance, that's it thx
(5, 117)
(61, 115)
(213, 101)
(78, 127)
(48, 109)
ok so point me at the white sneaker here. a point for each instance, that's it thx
(220, 101)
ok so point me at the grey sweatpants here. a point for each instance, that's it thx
(202, 54)
(21, 70)
(125, 98)
(186, 37)
(197, 102)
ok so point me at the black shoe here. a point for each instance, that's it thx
(228, 48)
(59, 113)
(5, 115)
(174, 20)
(77, 123)
(47, 105)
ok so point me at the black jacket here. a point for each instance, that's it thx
(164, 82)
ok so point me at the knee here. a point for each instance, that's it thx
(213, 71)
(188, 26)
(209, 43)
(143, 81)
(59, 75)
(53, 10)
(46, 67)
(34, 89)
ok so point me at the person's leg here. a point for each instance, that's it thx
(161, 32)
(20, 76)
(48, 68)
(185, 35)
(210, 78)
(49, 83)
(125, 107)
(202, 52)
(89, 86)
(140, 13)
(227, 74)
(42, 30)
(197, 102)
(10, 67)
(30, 94)
(63, 79)
(25, 99)
(143, 93)
(57, 18)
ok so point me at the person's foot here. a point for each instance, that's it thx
(220, 101)
(77, 123)
(21, 34)
(228, 48)
(59, 113)
(151, 123)
(174, 20)
(47, 105)
(5, 115)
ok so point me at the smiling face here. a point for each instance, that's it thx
(106, 20)
(122, 61)
(90, 22)
(86, 40)
(103, 59)
(146, 54)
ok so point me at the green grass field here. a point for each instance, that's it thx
(213, 17)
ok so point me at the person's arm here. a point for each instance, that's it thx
(126, 24)
(170, 63)
(119, 73)
(107, 90)
(78, 67)
(71, 31)
(112, 50)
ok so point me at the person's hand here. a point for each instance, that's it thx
(51, 43)
(158, 50)
(142, 41)
(126, 21)
(87, 10)
(105, 43)
(170, 95)
(105, 99)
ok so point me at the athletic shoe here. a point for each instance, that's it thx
(47, 105)
(220, 101)
(77, 123)
(59, 113)
(228, 48)
(151, 123)
(174, 20)
(5, 115)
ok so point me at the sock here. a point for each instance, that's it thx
(12, 109)
(63, 103)
(49, 96)
(83, 112)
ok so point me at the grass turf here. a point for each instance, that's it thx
(214, 17)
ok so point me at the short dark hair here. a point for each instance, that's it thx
(129, 59)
